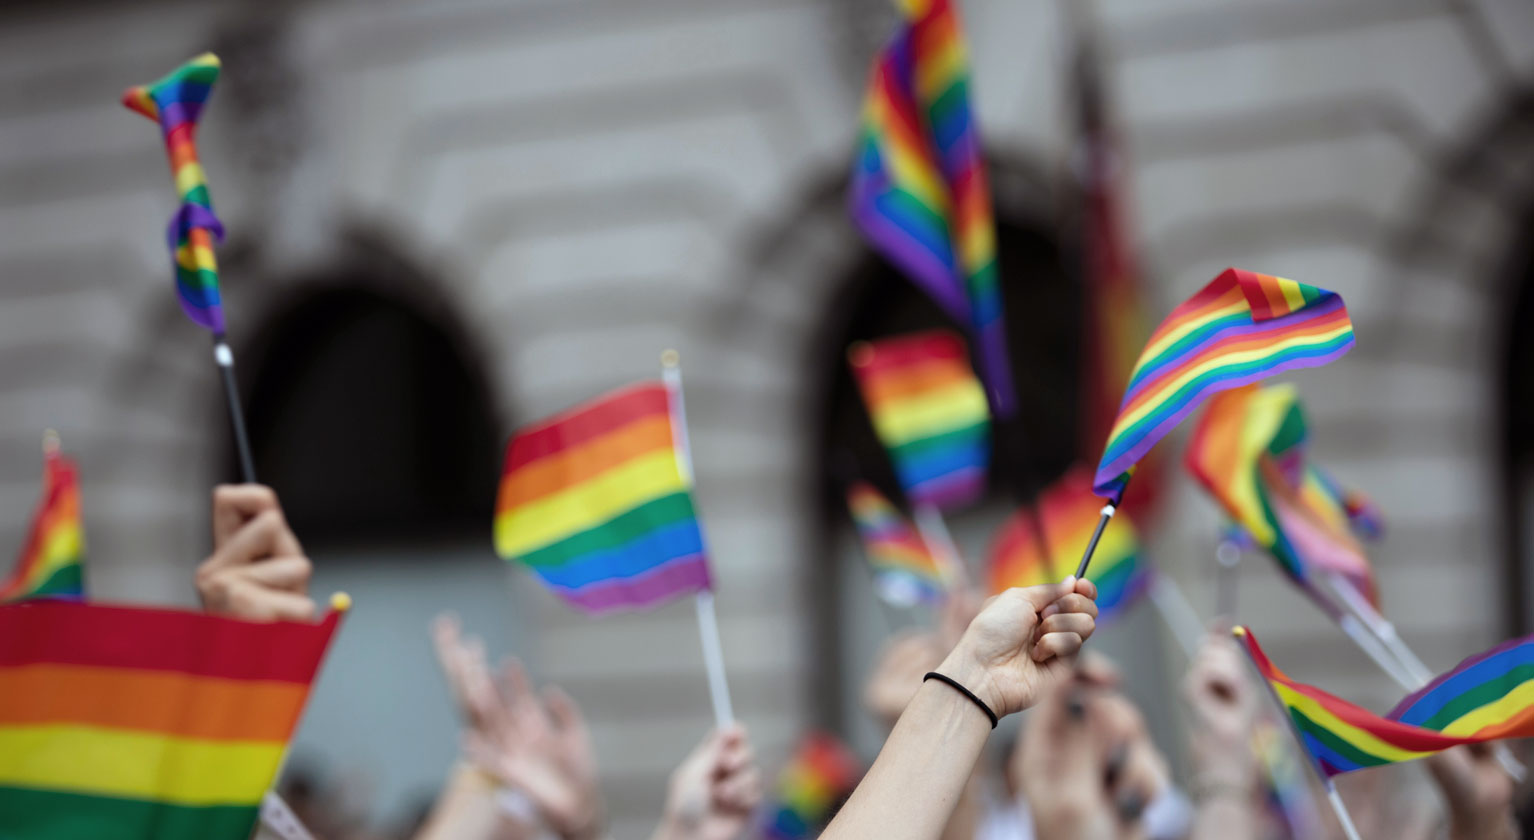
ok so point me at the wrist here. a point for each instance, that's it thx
(959, 665)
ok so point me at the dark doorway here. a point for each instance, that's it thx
(371, 421)
(1517, 446)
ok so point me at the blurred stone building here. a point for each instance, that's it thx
(450, 218)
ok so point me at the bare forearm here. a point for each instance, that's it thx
(920, 774)
(466, 809)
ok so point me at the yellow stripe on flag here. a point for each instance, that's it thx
(1503, 710)
(1361, 740)
(938, 411)
(559, 515)
(137, 765)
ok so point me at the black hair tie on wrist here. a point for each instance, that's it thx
(944, 678)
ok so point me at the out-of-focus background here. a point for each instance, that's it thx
(450, 218)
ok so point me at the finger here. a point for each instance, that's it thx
(1078, 623)
(1076, 603)
(256, 603)
(1087, 588)
(263, 536)
(565, 715)
(236, 504)
(1055, 645)
(1044, 594)
(290, 574)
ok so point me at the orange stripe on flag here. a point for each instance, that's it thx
(162, 702)
(569, 467)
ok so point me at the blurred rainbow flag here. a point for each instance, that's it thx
(904, 568)
(929, 411)
(1485, 698)
(596, 503)
(1068, 512)
(1240, 328)
(919, 189)
(125, 723)
(1248, 451)
(819, 777)
(175, 103)
(50, 562)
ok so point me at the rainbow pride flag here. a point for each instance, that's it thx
(919, 189)
(818, 778)
(50, 565)
(176, 102)
(1248, 451)
(905, 570)
(596, 503)
(1485, 698)
(1240, 328)
(1068, 512)
(930, 413)
(126, 723)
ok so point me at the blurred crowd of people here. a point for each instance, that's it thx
(1082, 765)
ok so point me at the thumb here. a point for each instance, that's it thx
(1044, 594)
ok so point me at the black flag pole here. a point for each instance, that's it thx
(225, 359)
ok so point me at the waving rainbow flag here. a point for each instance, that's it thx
(595, 502)
(50, 563)
(919, 188)
(176, 102)
(905, 570)
(930, 413)
(1068, 512)
(1240, 328)
(819, 777)
(1485, 698)
(124, 723)
(1248, 450)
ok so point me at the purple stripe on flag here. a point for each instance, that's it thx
(681, 576)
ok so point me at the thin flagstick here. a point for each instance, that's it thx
(934, 531)
(1343, 816)
(1102, 522)
(713, 658)
(1179, 615)
(708, 621)
(280, 820)
(225, 359)
(1415, 669)
(1342, 811)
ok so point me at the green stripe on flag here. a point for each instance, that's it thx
(55, 815)
(615, 532)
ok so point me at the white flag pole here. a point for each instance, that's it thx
(708, 620)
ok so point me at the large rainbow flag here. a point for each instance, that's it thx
(1485, 698)
(930, 413)
(126, 723)
(50, 562)
(1240, 328)
(905, 570)
(919, 188)
(1248, 450)
(1068, 513)
(176, 102)
(819, 777)
(596, 503)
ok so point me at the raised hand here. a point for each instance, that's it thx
(257, 570)
(1224, 704)
(1478, 791)
(1023, 642)
(536, 744)
(714, 792)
